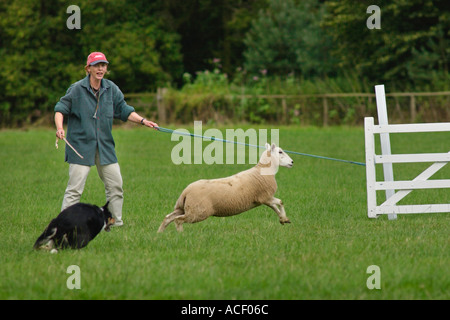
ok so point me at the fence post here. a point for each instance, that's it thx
(385, 140)
(370, 167)
(285, 111)
(161, 105)
(412, 108)
(325, 111)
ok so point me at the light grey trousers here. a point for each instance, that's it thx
(112, 179)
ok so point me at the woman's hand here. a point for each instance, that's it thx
(60, 134)
(149, 123)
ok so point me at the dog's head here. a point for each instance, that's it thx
(107, 216)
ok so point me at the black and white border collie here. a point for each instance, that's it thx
(74, 227)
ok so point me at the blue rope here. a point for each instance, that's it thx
(256, 146)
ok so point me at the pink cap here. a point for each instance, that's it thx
(96, 57)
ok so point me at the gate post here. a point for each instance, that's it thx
(385, 140)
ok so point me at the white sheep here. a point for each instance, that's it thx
(232, 195)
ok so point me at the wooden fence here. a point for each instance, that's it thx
(327, 102)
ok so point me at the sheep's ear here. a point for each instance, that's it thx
(273, 147)
(267, 146)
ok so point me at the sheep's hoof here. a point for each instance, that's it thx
(285, 221)
(161, 229)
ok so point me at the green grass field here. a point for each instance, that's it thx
(323, 254)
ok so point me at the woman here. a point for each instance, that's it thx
(90, 106)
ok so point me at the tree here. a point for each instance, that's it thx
(144, 51)
(34, 57)
(41, 57)
(412, 41)
(286, 37)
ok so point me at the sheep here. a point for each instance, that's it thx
(232, 195)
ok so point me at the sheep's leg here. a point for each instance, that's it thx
(169, 218)
(277, 206)
(179, 223)
(188, 217)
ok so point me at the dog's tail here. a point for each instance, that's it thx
(44, 240)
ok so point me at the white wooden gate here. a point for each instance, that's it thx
(403, 188)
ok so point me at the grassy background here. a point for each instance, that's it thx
(323, 254)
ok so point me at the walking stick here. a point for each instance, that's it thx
(67, 142)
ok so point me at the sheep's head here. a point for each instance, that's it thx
(274, 157)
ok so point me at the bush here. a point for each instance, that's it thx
(212, 97)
